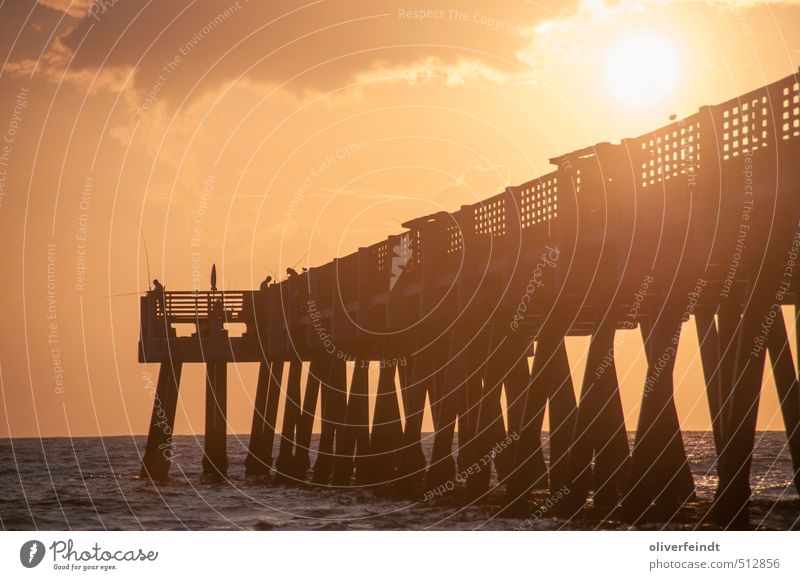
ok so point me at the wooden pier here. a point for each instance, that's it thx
(696, 222)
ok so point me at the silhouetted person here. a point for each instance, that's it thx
(158, 294)
(216, 317)
(265, 283)
(218, 308)
(291, 272)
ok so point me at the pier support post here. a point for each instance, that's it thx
(562, 411)
(360, 421)
(515, 385)
(528, 469)
(478, 355)
(420, 380)
(334, 406)
(659, 470)
(291, 416)
(708, 340)
(158, 451)
(446, 406)
(490, 429)
(317, 369)
(783, 370)
(265, 414)
(215, 460)
(599, 428)
(728, 330)
(387, 430)
(740, 411)
(355, 432)
(255, 463)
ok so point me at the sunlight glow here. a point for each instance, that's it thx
(641, 70)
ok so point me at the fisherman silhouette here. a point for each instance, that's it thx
(158, 294)
(291, 272)
(265, 283)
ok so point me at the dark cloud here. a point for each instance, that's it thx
(312, 46)
(27, 29)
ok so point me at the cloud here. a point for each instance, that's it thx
(189, 48)
(89, 81)
(317, 46)
(431, 70)
(27, 29)
(75, 8)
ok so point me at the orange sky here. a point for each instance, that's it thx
(257, 136)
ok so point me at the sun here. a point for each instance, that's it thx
(642, 70)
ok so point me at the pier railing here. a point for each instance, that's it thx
(190, 306)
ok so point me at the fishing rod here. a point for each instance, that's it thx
(301, 259)
(147, 259)
(297, 263)
(126, 294)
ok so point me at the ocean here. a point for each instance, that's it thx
(94, 484)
